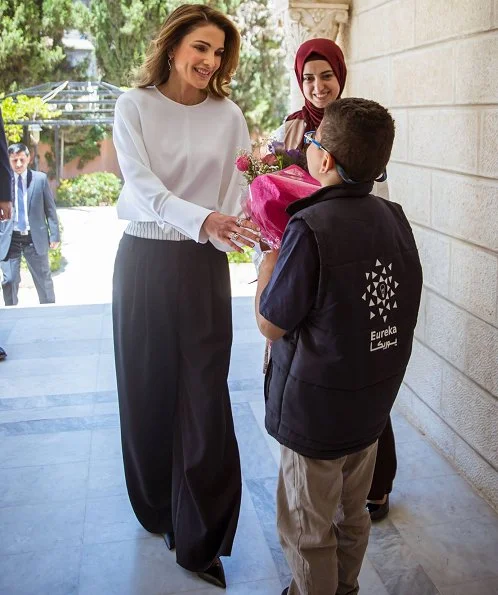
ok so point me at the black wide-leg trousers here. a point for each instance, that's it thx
(172, 338)
(385, 464)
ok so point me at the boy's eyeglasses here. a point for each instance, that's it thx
(309, 138)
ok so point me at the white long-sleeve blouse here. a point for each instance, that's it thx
(178, 161)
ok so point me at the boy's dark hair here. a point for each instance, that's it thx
(359, 133)
(18, 148)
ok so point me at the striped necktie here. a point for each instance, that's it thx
(21, 213)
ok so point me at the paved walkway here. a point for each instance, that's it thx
(66, 527)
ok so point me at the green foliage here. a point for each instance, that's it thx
(260, 86)
(89, 190)
(237, 257)
(122, 29)
(24, 108)
(80, 142)
(31, 49)
(55, 258)
(83, 143)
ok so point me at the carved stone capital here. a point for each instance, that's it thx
(305, 20)
(315, 19)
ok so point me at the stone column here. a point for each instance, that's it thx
(303, 20)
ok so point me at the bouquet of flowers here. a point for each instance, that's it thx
(275, 180)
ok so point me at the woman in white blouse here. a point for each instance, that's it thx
(177, 136)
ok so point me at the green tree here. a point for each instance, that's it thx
(260, 86)
(31, 50)
(121, 31)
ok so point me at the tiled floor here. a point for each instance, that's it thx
(66, 526)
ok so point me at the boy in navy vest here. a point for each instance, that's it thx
(340, 303)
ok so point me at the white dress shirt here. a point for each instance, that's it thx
(178, 161)
(24, 177)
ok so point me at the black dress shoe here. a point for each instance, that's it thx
(169, 538)
(378, 511)
(214, 574)
(285, 591)
(3, 354)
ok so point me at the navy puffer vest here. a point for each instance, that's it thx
(333, 380)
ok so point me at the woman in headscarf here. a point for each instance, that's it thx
(321, 75)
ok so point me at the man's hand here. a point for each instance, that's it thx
(5, 210)
(54, 245)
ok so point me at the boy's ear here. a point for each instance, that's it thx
(327, 164)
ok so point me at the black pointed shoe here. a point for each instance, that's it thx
(169, 538)
(378, 511)
(285, 591)
(214, 574)
(3, 354)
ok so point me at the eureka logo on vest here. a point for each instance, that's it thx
(380, 295)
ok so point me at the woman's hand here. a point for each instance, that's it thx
(229, 230)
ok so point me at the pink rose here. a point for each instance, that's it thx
(270, 159)
(242, 163)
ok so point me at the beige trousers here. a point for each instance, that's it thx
(322, 520)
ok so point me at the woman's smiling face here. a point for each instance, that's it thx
(320, 85)
(198, 56)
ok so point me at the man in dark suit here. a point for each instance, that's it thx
(5, 188)
(32, 230)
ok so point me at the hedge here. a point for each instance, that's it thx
(89, 190)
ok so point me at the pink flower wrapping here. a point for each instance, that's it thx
(270, 194)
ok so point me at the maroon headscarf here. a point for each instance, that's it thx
(317, 49)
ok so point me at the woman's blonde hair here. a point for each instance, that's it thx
(182, 21)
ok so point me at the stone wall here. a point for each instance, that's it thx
(434, 64)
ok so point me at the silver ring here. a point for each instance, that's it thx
(233, 236)
(238, 221)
